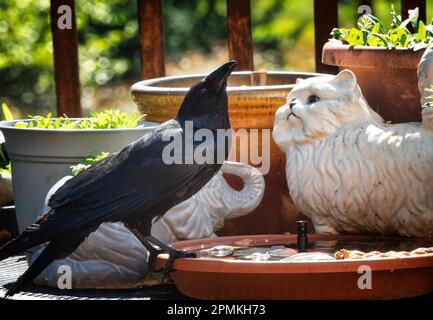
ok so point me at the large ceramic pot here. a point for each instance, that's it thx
(40, 157)
(387, 77)
(253, 99)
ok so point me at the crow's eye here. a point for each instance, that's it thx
(312, 99)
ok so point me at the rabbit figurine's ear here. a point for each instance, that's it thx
(299, 80)
(345, 79)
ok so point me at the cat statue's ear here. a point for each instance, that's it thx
(345, 79)
(299, 80)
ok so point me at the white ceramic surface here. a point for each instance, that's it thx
(348, 170)
(112, 257)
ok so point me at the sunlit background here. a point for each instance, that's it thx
(195, 42)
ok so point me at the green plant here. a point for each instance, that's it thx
(372, 32)
(108, 119)
(7, 114)
(93, 157)
(429, 103)
(5, 163)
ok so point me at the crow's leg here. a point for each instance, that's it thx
(141, 229)
(172, 254)
(155, 246)
(153, 253)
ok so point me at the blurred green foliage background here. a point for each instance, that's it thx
(195, 41)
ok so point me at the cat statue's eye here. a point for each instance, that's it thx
(312, 99)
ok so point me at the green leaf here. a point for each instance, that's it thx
(429, 89)
(396, 19)
(57, 123)
(4, 158)
(20, 124)
(422, 32)
(404, 24)
(376, 21)
(364, 37)
(93, 157)
(376, 28)
(429, 30)
(354, 37)
(371, 32)
(404, 40)
(419, 46)
(431, 96)
(382, 37)
(108, 119)
(398, 36)
(7, 112)
(413, 17)
(364, 23)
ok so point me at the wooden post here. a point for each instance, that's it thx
(151, 38)
(239, 28)
(412, 4)
(325, 18)
(64, 33)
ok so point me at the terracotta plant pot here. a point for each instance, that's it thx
(253, 99)
(221, 278)
(387, 77)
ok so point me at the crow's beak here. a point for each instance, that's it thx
(218, 78)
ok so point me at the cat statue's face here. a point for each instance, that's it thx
(317, 107)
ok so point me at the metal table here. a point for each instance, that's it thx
(12, 268)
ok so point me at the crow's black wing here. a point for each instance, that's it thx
(132, 180)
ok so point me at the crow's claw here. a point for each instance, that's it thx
(153, 253)
(182, 254)
(172, 255)
(155, 247)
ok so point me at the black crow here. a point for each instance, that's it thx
(133, 186)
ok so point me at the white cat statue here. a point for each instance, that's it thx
(347, 169)
(112, 257)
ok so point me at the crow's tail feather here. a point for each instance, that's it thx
(55, 249)
(11, 248)
(41, 262)
(32, 236)
(20, 244)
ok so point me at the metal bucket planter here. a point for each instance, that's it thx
(40, 157)
(253, 99)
